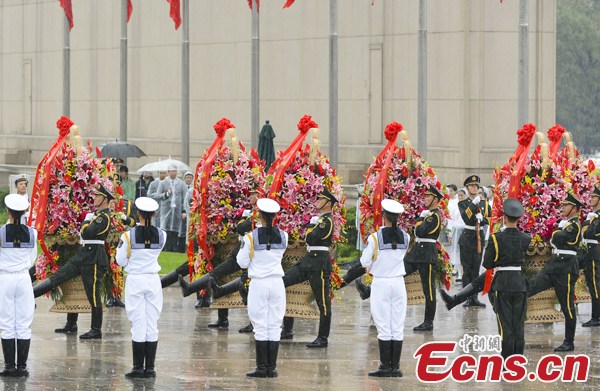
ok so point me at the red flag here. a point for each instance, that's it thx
(129, 10)
(257, 4)
(66, 5)
(175, 12)
(288, 3)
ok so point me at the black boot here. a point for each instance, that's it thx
(363, 290)
(385, 358)
(324, 328)
(223, 321)
(196, 286)
(150, 357)
(356, 271)
(595, 321)
(568, 345)
(169, 279)
(425, 326)
(96, 330)
(460, 297)
(43, 287)
(139, 353)
(227, 289)
(8, 348)
(396, 353)
(272, 358)
(247, 329)
(287, 332)
(71, 325)
(262, 352)
(22, 354)
(203, 301)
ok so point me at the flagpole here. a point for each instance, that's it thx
(185, 85)
(523, 110)
(255, 82)
(333, 84)
(123, 83)
(67, 68)
(422, 80)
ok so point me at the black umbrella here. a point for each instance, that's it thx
(266, 149)
(121, 150)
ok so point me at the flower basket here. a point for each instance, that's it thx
(74, 299)
(541, 307)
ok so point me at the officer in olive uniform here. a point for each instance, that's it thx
(423, 256)
(561, 270)
(90, 262)
(475, 213)
(505, 252)
(315, 267)
(590, 261)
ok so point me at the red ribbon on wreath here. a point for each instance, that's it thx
(204, 166)
(40, 193)
(524, 138)
(391, 134)
(283, 161)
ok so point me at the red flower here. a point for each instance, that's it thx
(591, 166)
(222, 125)
(404, 172)
(68, 178)
(306, 123)
(525, 134)
(392, 129)
(64, 125)
(555, 133)
(533, 200)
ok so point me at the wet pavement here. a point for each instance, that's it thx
(192, 356)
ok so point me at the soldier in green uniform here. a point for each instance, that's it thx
(90, 262)
(505, 252)
(475, 212)
(315, 267)
(561, 270)
(423, 255)
(590, 261)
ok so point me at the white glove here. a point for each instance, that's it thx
(123, 216)
(479, 217)
(502, 228)
(424, 213)
(88, 217)
(246, 213)
(562, 223)
(591, 216)
(314, 220)
(476, 200)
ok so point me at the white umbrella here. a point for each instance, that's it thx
(164, 165)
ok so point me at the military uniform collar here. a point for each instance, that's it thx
(324, 214)
(597, 211)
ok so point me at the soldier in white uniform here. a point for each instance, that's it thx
(18, 251)
(261, 253)
(138, 252)
(384, 259)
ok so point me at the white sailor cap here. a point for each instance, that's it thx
(16, 202)
(268, 205)
(392, 206)
(146, 204)
(188, 173)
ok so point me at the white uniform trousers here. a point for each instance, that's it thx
(266, 307)
(144, 300)
(17, 305)
(388, 307)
